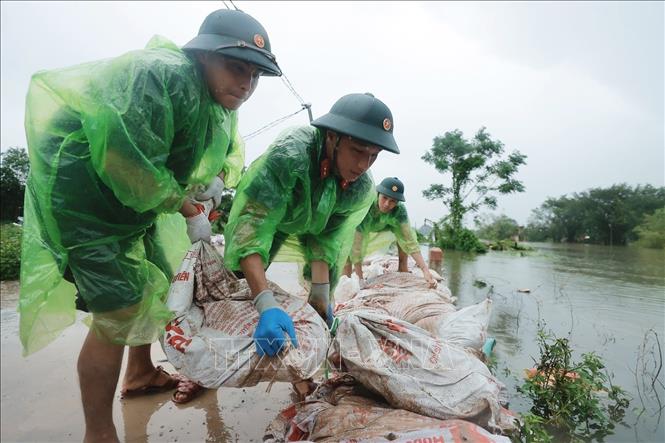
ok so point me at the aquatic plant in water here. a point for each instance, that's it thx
(576, 401)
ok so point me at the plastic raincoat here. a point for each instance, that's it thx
(378, 231)
(114, 146)
(282, 201)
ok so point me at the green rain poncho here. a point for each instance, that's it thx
(378, 231)
(114, 146)
(283, 201)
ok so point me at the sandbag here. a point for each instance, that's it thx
(210, 338)
(415, 370)
(466, 327)
(342, 411)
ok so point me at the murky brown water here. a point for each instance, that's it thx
(604, 298)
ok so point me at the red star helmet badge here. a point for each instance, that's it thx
(258, 41)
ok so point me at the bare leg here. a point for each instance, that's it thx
(140, 370)
(99, 368)
(347, 268)
(403, 260)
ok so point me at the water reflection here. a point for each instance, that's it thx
(604, 299)
(142, 415)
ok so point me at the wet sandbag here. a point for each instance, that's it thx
(404, 296)
(415, 370)
(408, 297)
(210, 338)
(341, 410)
(466, 327)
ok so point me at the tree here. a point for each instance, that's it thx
(479, 173)
(495, 227)
(14, 167)
(599, 215)
(652, 231)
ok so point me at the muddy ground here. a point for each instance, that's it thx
(41, 398)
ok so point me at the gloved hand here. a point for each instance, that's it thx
(273, 323)
(319, 299)
(213, 191)
(430, 280)
(198, 228)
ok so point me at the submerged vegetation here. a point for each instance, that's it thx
(572, 400)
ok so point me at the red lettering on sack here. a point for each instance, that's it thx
(434, 359)
(438, 439)
(173, 326)
(174, 336)
(179, 342)
(181, 276)
(397, 353)
(395, 327)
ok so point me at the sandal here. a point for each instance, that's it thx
(151, 387)
(187, 391)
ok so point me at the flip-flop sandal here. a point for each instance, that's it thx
(151, 387)
(188, 390)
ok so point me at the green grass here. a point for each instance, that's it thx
(10, 251)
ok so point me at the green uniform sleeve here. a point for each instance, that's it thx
(258, 207)
(129, 122)
(359, 241)
(235, 159)
(334, 244)
(406, 236)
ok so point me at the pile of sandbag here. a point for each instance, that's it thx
(210, 338)
(409, 344)
(341, 410)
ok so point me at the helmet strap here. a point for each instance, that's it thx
(326, 168)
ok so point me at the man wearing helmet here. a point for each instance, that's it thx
(113, 145)
(310, 187)
(387, 214)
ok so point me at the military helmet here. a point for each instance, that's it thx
(238, 35)
(391, 187)
(361, 116)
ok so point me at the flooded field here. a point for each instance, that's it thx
(605, 299)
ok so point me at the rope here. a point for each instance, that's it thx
(271, 124)
(290, 87)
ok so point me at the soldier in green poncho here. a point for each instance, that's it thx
(309, 190)
(116, 148)
(387, 214)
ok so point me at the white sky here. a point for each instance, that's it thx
(578, 87)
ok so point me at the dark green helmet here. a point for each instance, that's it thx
(391, 187)
(361, 116)
(238, 35)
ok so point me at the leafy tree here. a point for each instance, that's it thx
(479, 173)
(652, 232)
(499, 227)
(14, 167)
(598, 215)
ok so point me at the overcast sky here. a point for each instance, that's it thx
(577, 87)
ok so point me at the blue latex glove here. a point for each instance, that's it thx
(330, 316)
(273, 323)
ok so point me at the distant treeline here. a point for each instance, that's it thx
(612, 216)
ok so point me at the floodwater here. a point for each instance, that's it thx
(604, 299)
